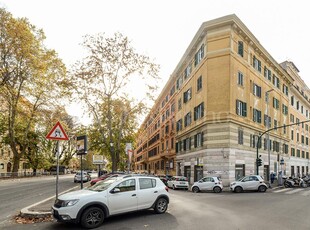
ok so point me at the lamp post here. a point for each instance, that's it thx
(268, 127)
(112, 155)
(280, 174)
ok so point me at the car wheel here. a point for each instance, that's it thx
(217, 189)
(161, 205)
(262, 188)
(92, 217)
(238, 189)
(195, 189)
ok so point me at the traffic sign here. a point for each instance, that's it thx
(57, 133)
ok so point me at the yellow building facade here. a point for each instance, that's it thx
(228, 91)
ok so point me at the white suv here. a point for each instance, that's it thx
(114, 195)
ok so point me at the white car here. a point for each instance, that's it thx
(253, 182)
(112, 196)
(85, 177)
(176, 182)
(208, 184)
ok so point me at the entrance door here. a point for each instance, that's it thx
(9, 167)
(198, 173)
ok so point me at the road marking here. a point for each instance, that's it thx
(306, 193)
(282, 190)
(293, 191)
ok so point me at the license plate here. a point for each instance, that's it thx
(182, 182)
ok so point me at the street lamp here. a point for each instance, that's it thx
(268, 127)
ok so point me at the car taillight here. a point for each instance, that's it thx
(167, 189)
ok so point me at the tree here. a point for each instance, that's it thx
(32, 78)
(102, 80)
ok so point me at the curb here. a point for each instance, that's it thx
(25, 212)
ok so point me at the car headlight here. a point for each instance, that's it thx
(232, 184)
(66, 203)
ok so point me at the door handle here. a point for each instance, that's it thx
(155, 191)
(133, 194)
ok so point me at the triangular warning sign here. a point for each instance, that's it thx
(57, 133)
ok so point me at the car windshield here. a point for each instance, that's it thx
(103, 185)
(240, 179)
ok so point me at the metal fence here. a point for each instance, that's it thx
(24, 174)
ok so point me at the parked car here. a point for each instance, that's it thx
(115, 195)
(253, 182)
(176, 182)
(103, 177)
(208, 184)
(164, 178)
(85, 177)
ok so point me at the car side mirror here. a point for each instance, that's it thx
(200, 181)
(115, 190)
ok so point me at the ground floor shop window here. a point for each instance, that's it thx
(198, 173)
(239, 171)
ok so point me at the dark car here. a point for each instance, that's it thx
(164, 178)
(103, 177)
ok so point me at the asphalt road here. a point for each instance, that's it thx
(274, 210)
(16, 194)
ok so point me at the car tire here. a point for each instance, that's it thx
(262, 188)
(92, 217)
(161, 205)
(195, 189)
(217, 189)
(238, 189)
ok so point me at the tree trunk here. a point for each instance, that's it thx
(16, 159)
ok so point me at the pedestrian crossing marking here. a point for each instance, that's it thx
(282, 190)
(293, 191)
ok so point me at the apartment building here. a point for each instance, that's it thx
(228, 91)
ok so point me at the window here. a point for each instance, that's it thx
(179, 82)
(297, 105)
(292, 100)
(172, 108)
(275, 103)
(275, 81)
(199, 83)
(275, 123)
(199, 55)
(257, 116)
(199, 111)
(127, 185)
(240, 48)
(292, 152)
(276, 146)
(298, 152)
(187, 144)
(241, 108)
(257, 90)
(267, 73)
(284, 109)
(240, 79)
(179, 104)
(187, 119)
(178, 146)
(179, 125)
(302, 139)
(187, 95)
(292, 135)
(172, 90)
(285, 89)
(198, 140)
(257, 64)
(187, 71)
(285, 148)
(146, 183)
(240, 136)
(292, 118)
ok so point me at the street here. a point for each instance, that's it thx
(276, 209)
(16, 194)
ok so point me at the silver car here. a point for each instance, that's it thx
(253, 182)
(208, 184)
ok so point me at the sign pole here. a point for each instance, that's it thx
(57, 171)
(81, 172)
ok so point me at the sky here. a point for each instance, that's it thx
(163, 29)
